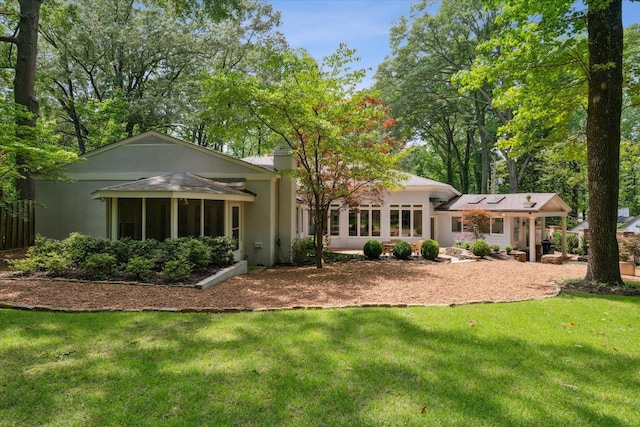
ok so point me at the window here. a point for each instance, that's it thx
(364, 221)
(456, 224)
(334, 221)
(497, 225)
(405, 219)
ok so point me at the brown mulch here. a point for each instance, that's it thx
(356, 283)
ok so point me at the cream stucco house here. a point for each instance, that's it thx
(156, 186)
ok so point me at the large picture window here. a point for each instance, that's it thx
(364, 221)
(405, 221)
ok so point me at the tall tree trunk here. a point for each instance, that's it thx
(24, 86)
(603, 138)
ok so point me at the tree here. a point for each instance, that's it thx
(542, 38)
(340, 138)
(116, 68)
(476, 222)
(416, 81)
(25, 39)
(604, 23)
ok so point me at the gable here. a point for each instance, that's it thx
(153, 153)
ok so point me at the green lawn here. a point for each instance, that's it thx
(571, 360)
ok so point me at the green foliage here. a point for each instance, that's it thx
(341, 138)
(79, 247)
(99, 266)
(508, 249)
(495, 248)
(430, 249)
(176, 270)
(141, 268)
(300, 250)
(572, 241)
(480, 248)
(99, 258)
(462, 244)
(372, 249)
(221, 249)
(402, 250)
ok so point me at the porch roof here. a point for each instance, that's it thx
(178, 185)
(543, 204)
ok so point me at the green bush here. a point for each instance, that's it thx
(372, 249)
(176, 270)
(57, 264)
(99, 266)
(495, 248)
(221, 250)
(300, 249)
(508, 248)
(402, 250)
(198, 254)
(141, 268)
(480, 248)
(572, 241)
(430, 249)
(79, 248)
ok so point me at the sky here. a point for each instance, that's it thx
(320, 26)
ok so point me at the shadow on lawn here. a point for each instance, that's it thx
(330, 367)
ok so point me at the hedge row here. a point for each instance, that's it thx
(94, 258)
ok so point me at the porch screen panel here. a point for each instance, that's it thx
(189, 218)
(130, 219)
(353, 223)
(235, 225)
(214, 218)
(158, 219)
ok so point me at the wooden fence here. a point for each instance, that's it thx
(17, 224)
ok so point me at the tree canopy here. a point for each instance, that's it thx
(340, 137)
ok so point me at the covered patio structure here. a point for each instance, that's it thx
(517, 220)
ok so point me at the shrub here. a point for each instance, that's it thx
(572, 241)
(430, 249)
(198, 254)
(141, 268)
(57, 263)
(496, 248)
(221, 250)
(402, 250)
(508, 249)
(480, 248)
(99, 266)
(300, 249)
(79, 248)
(372, 249)
(176, 270)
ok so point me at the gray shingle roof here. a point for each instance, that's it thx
(515, 202)
(181, 182)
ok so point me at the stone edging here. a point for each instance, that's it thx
(25, 307)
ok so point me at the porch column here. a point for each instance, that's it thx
(532, 239)
(174, 218)
(201, 217)
(564, 237)
(114, 218)
(143, 234)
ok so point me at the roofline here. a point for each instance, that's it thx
(106, 194)
(175, 140)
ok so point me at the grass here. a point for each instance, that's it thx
(571, 360)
